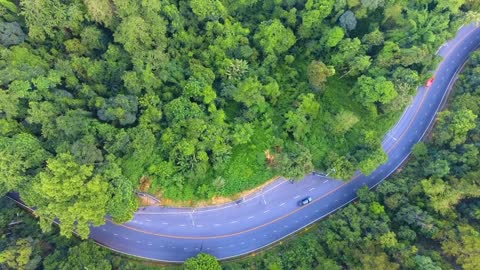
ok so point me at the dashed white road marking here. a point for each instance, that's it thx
(254, 239)
(216, 224)
(149, 244)
(138, 242)
(219, 247)
(116, 234)
(325, 181)
(164, 223)
(126, 238)
(311, 189)
(282, 204)
(147, 220)
(104, 230)
(162, 246)
(182, 225)
(296, 197)
(242, 243)
(199, 226)
(266, 211)
(233, 222)
(250, 217)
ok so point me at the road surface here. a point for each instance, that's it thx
(242, 227)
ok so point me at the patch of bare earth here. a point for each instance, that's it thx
(146, 201)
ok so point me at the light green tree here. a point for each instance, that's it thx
(202, 261)
(71, 193)
(274, 38)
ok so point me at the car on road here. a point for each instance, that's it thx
(305, 201)
(430, 82)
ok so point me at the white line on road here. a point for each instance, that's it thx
(200, 226)
(164, 223)
(182, 225)
(266, 211)
(296, 197)
(147, 220)
(216, 224)
(149, 244)
(235, 221)
(250, 217)
(126, 238)
(104, 230)
(138, 242)
(325, 181)
(116, 234)
(282, 204)
(311, 189)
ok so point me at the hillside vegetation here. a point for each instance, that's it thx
(99, 98)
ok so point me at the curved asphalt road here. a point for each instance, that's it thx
(238, 228)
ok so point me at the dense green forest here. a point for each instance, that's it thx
(192, 99)
(427, 217)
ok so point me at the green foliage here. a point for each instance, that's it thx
(274, 38)
(318, 73)
(120, 109)
(70, 192)
(11, 34)
(20, 158)
(202, 261)
(17, 256)
(212, 9)
(212, 97)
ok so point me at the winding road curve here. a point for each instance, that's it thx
(238, 228)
